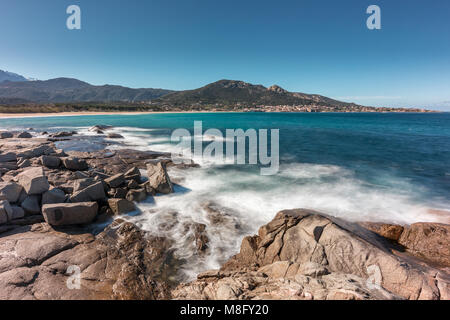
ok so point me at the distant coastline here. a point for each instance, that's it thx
(5, 115)
(72, 95)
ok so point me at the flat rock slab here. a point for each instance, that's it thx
(122, 262)
(70, 213)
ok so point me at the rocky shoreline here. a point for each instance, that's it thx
(61, 208)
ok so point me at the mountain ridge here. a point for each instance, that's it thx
(10, 76)
(223, 95)
(222, 92)
(236, 92)
(74, 90)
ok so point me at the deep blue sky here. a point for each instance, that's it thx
(313, 46)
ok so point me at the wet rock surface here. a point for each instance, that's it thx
(302, 254)
(119, 263)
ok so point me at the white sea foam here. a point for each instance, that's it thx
(252, 200)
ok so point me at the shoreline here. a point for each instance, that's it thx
(130, 113)
(94, 113)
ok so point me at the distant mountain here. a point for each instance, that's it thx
(220, 93)
(73, 90)
(232, 92)
(9, 76)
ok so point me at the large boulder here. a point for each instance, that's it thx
(93, 192)
(70, 213)
(431, 241)
(11, 191)
(33, 181)
(52, 196)
(50, 161)
(302, 254)
(121, 206)
(31, 205)
(158, 178)
(75, 164)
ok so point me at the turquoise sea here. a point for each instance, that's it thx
(363, 166)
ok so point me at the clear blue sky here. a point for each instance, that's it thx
(313, 46)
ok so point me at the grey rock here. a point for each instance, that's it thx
(53, 196)
(83, 183)
(158, 178)
(132, 184)
(148, 188)
(119, 193)
(31, 205)
(50, 161)
(70, 213)
(115, 136)
(33, 181)
(132, 172)
(93, 192)
(81, 175)
(6, 135)
(11, 191)
(116, 180)
(62, 134)
(24, 135)
(121, 206)
(75, 164)
(17, 213)
(137, 195)
(99, 127)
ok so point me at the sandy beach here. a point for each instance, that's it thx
(71, 114)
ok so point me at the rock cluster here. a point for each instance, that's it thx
(37, 179)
